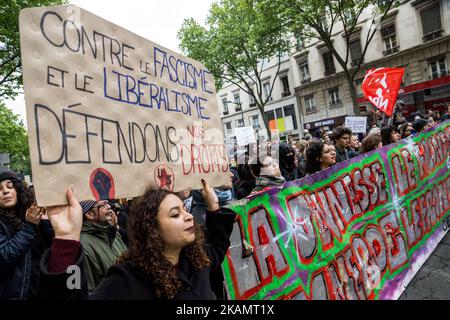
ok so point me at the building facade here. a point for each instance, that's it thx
(415, 36)
(238, 108)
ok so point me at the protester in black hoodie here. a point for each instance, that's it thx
(168, 257)
(287, 162)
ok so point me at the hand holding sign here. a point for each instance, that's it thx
(67, 220)
(381, 85)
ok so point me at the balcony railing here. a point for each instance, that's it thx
(307, 80)
(311, 110)
(225, 112)
(252, 104)
(432, 35)
(330, 72)
(355, 62)
(391, 51)
(440, 74)
(335, 104)
(285, 94)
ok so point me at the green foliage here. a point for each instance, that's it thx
(10, 63)
(238, 35)
(14, 140)
(323, 19)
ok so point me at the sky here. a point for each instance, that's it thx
(156, 20)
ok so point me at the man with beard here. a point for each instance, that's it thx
(101, 242)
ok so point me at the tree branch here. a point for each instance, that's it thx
(5, 78)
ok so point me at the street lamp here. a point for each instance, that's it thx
(240, 107)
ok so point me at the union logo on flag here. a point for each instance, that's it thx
(381, 87)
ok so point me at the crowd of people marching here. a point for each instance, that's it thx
(257, 167)
(162, 245)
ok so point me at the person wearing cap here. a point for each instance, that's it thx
(101, 242)
(20, 232)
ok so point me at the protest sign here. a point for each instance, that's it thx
(356, 124)
(244, 136)
(109, 112)
(359, 230)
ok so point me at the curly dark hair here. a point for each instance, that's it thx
(16, 216)
(146, 248)
(386, 133)
(314, 153)
(338, 132)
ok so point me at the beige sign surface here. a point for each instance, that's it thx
(110, 112)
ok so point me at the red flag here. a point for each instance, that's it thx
(381, 85)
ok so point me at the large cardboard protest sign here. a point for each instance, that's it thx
(110, 112)
(359, 230)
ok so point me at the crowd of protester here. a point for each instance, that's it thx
(150, 247)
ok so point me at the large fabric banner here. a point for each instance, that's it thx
(110, 112)
(359, 230)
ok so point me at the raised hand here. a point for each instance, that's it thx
(67, 220)
(113, 220)
(211, 199)
(34, 214)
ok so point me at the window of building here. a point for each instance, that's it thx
(282, 119)
(290, 121)
(333, 96)
(349, 15)
(431, 23)
(438, 68)
(355, 52)
(310, 105)
(304, 72)
(299, 41)
(237, 102)
(285, 82)
(254, 120)
(225, 106)
(328, 63)
(358, 85)
(240, 123)
(389, 39)
(251, 98)
(266, 88)
(228, 130)
(324, 21)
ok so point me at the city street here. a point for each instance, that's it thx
(432, 282)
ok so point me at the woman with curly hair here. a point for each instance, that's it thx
(389, 134)
(319, 156)
(20, 232)
(167, 258)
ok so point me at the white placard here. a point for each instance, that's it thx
(357, 124)
(244, 136)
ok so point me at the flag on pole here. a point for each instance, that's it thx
(381, 86)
